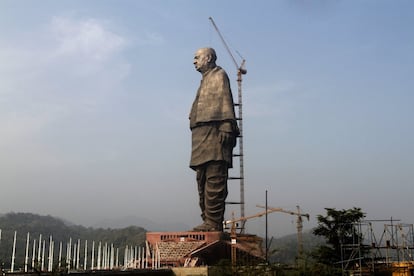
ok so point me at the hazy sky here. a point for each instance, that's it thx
(95, 96)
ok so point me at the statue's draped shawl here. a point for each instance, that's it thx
(212, 112)
(214, 101)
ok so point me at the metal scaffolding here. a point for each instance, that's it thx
(239, 105)
(393, 249)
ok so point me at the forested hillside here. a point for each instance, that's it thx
(60, 231)
(285, 249)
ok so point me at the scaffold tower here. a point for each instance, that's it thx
(239, 106)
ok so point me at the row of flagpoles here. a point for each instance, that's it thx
(103, 256)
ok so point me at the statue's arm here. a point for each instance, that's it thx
(227, 133)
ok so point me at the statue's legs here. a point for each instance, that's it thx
(201, 178)
(212, 190)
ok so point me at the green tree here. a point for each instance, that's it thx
(339, 227)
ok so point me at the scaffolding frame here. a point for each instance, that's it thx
(240, 71)
(367, 252)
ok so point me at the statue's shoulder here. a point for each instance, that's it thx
(218, 71)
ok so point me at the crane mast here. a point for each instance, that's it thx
(240, 71)
(233, 228)
(299, 224)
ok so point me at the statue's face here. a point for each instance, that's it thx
(201, 60)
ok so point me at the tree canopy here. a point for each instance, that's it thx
(339, 229)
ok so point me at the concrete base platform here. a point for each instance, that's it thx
(193, 249)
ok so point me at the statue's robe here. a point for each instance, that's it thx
(212, 111)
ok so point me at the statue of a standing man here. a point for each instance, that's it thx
(214, 131)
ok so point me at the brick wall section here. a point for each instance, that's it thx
(175, 246)
(172, 251)
(208, 237)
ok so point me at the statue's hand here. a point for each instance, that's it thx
(225, 137)
(227, 134)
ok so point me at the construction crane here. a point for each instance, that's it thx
(240, 71)
(299, 224)
(233, 234)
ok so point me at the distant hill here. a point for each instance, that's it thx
(285, 249)
(122, 222)
(61, 232)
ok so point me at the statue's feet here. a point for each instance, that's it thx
(206, 227)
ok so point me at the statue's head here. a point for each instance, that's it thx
(205, 59)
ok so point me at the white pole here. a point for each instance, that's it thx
(14, 252)
(26, 259)
(53, 255)
(34, 254)
(135, 257)
(146, 254)
(51, 249)
(131, 256)
(93, 255)
(69, 253)
(113, 255)
(153, 259)
(125, 256)
(104, 255)
(99, 255)
(139, 257)
(75, 246)
(60, 255)
(86, 255)
(78, 255)
(49, 268)
(43, 255)
(143, 257)
(131, 253)
(111, 265)
(39, 251)
(48, 254)
(117, 257)
(159, 257)
(67, 256)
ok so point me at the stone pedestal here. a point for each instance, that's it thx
(190, 249)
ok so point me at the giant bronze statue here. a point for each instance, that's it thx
(214, 130)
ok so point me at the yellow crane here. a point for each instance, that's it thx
(233, 234)
(299, 224)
